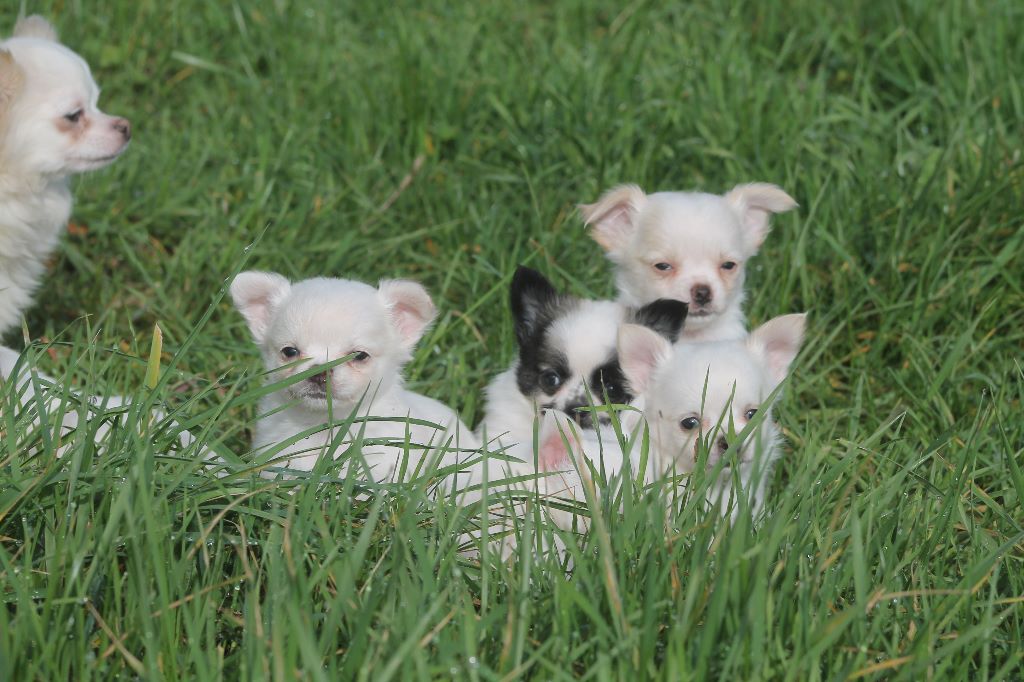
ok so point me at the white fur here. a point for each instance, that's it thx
(694, 234)
(587, 335)
(557, 470)
(41, 82)
(327, 319)
(715, 383)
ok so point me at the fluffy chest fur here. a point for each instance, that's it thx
(31, 221)
(384, 437)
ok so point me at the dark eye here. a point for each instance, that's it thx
(290, 352)
(613, 391)
(690, 423)
(73, 116)
(750, 413)
(664, 267)
(550, 381)
(360, 356)
(728, 265)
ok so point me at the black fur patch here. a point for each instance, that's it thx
(665, 316)
(607, 385)
(535, 305)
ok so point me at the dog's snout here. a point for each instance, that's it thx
(701, 294)
(721, 445)
(123, 126)
(319, 380)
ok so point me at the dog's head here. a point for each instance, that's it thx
(567, 355)
(689, 246)
(50, 125)
(708, 392)
(320, 320)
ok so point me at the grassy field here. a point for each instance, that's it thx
(448, 143)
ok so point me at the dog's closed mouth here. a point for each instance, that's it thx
(313, 393)
(100, 159)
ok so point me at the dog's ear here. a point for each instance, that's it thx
(755, 203)
(612, 218)
(665, 316)
(410, 306)
(12, 78)
(777, 342)
(532, 297)
(257, 295)
(35, 27)
(641, 352)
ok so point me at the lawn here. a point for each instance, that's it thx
(449, 142)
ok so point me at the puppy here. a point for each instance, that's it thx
(705, 395)
(688, 246)
(567, 357)
(50, 129)
(316, 321)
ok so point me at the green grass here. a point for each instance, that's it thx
(894, 545)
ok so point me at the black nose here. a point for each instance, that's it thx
(585, 418)
(701, 294)
(721, 444)
(319, 380)
(580, 413)
(123, 126)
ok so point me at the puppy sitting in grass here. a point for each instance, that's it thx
(711, 403)
(323, 320)
(688, 246)
(567, 359)
(50, 129)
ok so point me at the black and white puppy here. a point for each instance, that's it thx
(567, 357)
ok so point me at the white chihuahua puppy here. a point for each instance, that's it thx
(567, 359)
(50, 129)
(688, 246)
(316, 321)
(706, 393)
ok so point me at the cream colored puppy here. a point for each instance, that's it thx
(50, 129)
(707, 393)
(688, 246)
(316, 321)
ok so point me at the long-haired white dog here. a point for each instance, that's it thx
(688, 246)
(316, 321)
(50, 129)
(705, 394)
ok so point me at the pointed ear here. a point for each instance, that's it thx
(35, 27)
(532, 297)
(12, 78)
(612, 218)
(777, 342)
(555, 438)
(411, 308)
(755, 203)
(641, 352)
(665, 316)
(257, 295)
